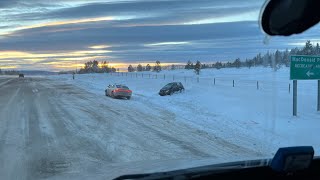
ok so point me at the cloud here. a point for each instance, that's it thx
(8, 4)
(48, 38)
(170, 42)
(182, 9)
(41, 35)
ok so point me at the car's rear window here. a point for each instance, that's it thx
(123, 87)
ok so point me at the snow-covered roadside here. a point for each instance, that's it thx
(258, 119)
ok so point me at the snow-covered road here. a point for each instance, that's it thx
(53, 130)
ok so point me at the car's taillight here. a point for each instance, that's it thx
(123, 90)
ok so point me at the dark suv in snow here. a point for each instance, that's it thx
(171, 88)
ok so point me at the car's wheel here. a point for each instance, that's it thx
(112, 95)
(106, 93)
(129, 97)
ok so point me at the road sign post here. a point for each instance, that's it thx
(318, 107)
(295, 97)
(304, 68)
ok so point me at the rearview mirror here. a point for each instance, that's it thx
(287, 17)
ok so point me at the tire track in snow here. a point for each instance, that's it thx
(12, 145)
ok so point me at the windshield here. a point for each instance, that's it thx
(59, 121)
(168, 86)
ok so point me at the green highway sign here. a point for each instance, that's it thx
(305, 67)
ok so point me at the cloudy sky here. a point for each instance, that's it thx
(62, 34)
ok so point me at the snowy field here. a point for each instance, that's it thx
(211, 104)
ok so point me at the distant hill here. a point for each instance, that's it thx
(35, 72)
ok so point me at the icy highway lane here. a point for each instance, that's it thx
(52, 130)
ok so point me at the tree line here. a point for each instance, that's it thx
(275, 60)
(9, 72)
(96, 67)
(139, 68)
(103, 67)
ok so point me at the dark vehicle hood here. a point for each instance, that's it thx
(182, 164)
(287, 160)
(154, 166)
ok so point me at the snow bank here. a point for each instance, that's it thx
(210, 103)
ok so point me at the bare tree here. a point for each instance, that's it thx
(197, 68)
(157, 66)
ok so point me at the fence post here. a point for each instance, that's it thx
(164, 76)
(197, 79)
(149, 76)
(289, 88)
(118, 74)
(136, 75)
(185, 79)
(173, 77)
(232, 83)
(142, 75)
(257, 84)
(126, 74)
(156, 76)
(214, 81)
